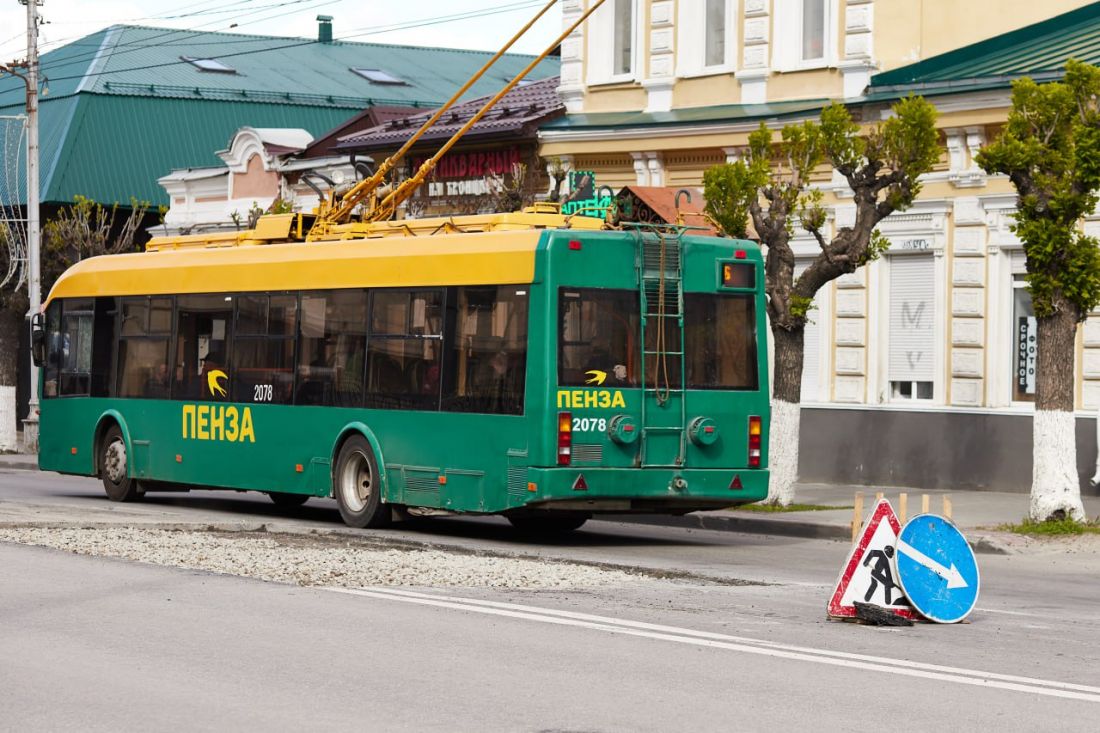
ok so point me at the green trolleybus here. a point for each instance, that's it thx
(531, 364)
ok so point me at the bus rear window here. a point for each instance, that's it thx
(720, 341)
(598, 337)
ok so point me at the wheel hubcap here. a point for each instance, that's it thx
(356, 482)
(114, 461)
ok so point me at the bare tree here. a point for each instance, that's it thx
(84, 229)
(771, 186)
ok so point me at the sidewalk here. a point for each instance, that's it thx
(19, 459)
(977, 513)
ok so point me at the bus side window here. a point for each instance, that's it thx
(54, 349)
(76, 346)
(404, 350)
(486, 363)
(143, 347)
(332, 347)
(203, 325)
(263, 348)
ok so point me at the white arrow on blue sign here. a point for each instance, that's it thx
(936, 568)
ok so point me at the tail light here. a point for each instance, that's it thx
(754, 441)
(565, 438)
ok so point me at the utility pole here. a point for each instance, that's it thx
(34, 259)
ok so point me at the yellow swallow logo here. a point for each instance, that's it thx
(598, 377)
(212, 378)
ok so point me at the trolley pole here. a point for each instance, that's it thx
(34, 275)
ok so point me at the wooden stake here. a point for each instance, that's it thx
(925, 503)
(857, 515)
(947, 506)
(879, 496)
(903, 504)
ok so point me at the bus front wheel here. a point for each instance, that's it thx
(114, 469)
(358, 486)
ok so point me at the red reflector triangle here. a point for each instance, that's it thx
(580, 484)
(736, 483)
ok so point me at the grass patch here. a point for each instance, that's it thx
(772, 508)
(1052, 528)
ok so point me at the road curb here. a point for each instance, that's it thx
(20, 464)
(750, 525)
(779, 527)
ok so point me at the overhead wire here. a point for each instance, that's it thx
(374, 31)
(190, 33)
(234, 22)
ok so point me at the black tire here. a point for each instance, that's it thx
(114, 469)
(357, 486)
(284, 500)
(549, 524)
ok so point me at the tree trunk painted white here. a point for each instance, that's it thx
(1055, 488)
(783, 451)
(7, 420)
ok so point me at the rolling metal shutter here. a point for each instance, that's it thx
(912, 314)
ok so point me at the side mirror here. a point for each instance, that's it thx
(38, 339)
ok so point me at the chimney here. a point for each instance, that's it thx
(324, 28)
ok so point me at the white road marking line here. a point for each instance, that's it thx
(1013, 613)
(733, 643)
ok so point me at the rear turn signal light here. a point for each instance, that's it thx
(565, 438)
(754, 441)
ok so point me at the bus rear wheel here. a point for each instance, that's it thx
(549, 524)
(114, 469)
(358, 486)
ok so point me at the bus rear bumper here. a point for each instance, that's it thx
(645, 490)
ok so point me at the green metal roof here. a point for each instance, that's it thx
(1039, 51)
(123, 109)
(689, 115)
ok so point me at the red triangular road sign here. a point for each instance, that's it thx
(580, 484)
(868, 573)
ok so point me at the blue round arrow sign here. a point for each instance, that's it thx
(936, 569)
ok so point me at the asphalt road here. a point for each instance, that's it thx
(734, 639)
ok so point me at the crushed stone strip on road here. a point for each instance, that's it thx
(350, 567)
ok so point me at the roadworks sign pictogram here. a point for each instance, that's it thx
(868, 574)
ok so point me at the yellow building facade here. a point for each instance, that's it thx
(936, 337)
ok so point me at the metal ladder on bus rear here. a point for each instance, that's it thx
(664, 416)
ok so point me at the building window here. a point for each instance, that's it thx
(623, 60)
(380, 76)
(715, 33)
(1025, 342)
(912, 340)
(212, 66)
(813, 29)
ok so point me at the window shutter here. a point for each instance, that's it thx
(1018, 262)
(912, 314)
